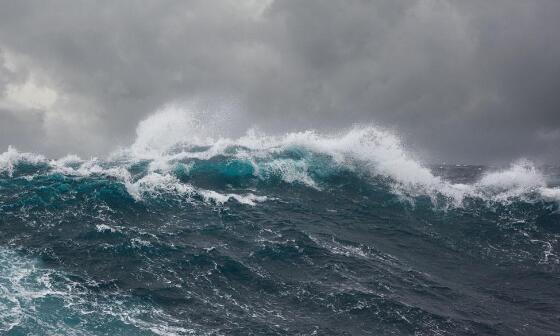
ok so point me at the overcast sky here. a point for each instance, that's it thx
(461, 81)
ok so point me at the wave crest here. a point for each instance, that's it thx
(173, 145)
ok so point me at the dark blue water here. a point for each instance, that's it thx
(288, 243)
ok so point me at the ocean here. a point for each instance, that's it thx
(305, 233)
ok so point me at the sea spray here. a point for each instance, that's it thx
(191, 232)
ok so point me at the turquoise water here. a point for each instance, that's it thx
(285, 239)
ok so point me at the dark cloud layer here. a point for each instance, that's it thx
(467, 81)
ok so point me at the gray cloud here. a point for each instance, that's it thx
(472, 81)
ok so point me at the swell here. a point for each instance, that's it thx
(253, 163)
(189, 232)
(178, 151)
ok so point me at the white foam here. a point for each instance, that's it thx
(289, 170)
(165, 128)
(218, 198)
(521, 178)
(105, 228)
(25, 286)
(68, 160)
(552, 194)
(153, 183)
(168, 136)
(10, 158)
(378, 149)
(157, 184)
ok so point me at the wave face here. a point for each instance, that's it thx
(189, 233)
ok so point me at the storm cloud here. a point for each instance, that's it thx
(461, 81)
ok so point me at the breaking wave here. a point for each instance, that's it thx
(173, 147)
(188, 232)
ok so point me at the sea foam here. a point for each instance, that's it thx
(176, 135)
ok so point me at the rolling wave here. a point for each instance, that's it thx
(188, 232)
(171, 155)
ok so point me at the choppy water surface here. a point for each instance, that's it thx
(303, 234)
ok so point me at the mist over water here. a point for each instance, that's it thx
(190, 230)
